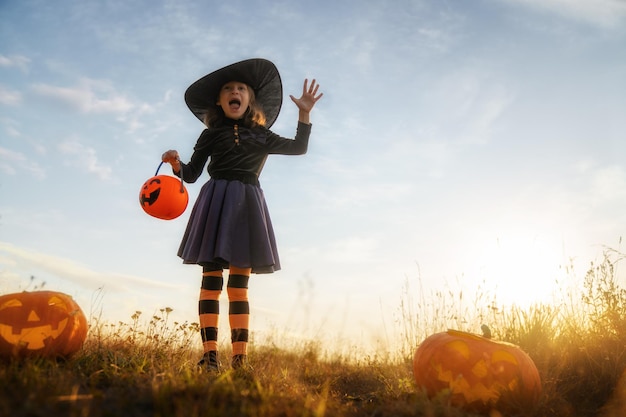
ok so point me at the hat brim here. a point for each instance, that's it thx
(260, 74)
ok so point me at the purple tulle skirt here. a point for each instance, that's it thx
(230, 225)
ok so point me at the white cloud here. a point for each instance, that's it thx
(87, 158)
(10, 128)
(9, 97)
(465, 106)
(10, 161)
(90, 96)
(101, 98)
(133, 120)
(20, 258)
(18, 61)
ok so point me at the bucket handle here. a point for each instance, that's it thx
(182, 184)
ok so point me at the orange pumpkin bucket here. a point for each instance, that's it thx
(163, 196)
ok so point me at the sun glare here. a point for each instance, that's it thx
(520, 268)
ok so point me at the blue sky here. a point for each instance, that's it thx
(459, 145)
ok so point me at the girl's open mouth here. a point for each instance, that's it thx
(234, 104)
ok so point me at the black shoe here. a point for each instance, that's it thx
(241, 362)
(209, 362)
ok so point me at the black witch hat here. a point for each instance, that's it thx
(260, 74)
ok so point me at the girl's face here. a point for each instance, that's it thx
(234, 99)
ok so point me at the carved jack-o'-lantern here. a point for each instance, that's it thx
(40, 323)
(163, 196)
(477, 372)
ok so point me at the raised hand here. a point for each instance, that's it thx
(307, 101)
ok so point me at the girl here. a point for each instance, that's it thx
(229, 226)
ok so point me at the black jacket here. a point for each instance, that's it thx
(239, 153)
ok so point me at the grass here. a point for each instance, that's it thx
(149, 369)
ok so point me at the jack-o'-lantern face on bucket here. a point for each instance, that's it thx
(150, 191)
(163, 197)
(43, 322)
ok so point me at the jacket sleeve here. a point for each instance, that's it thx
(283, 146)
(192, 170)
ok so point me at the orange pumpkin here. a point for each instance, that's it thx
(478, 373)
(40, 323)
(163, 196)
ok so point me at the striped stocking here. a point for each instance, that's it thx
(239, 310)
(209, 308)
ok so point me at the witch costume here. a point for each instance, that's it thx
(230, 223)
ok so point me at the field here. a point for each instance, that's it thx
(149, 369)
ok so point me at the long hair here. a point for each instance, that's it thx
(253, 117)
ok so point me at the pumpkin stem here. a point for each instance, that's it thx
(486, 331)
